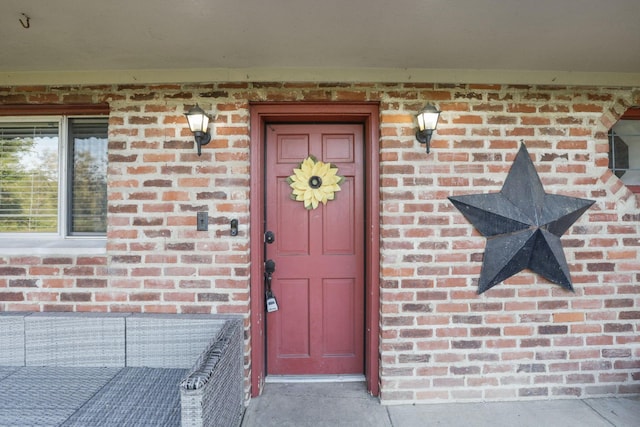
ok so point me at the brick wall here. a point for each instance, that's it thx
(524, 338)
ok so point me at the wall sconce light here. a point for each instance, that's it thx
(427, 123)
(198, 124)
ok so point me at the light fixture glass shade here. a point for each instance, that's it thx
(198, 119)
(427, 123)
(198, 124)
(428, 118)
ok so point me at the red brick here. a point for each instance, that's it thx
(11, 296)
(431, 256)
(587, 108)
(561, 317)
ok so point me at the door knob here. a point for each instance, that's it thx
(269, 266)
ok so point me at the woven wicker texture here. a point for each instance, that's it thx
(46, 396)
(212, 394)
(52, 387)
(159, 341)
(79, 378)
(5, 371)
(11, 339)
(135, 397)
(62, 339)
(33, 417)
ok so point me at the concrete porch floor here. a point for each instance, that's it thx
(348, 404)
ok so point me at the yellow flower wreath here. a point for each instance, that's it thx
(314, 182)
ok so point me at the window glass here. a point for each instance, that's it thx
(29, 178)
(88, 201)
(624, 151)
(36, 197)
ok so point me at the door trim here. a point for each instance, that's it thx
(368, 115)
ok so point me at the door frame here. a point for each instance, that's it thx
(368, 115)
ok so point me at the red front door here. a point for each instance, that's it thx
(319, 254)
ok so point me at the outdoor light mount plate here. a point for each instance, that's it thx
(424, 137)
(202, 138)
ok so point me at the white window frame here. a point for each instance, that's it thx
(52, 243)
(625, 136)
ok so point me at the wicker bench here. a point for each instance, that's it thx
(81, 369)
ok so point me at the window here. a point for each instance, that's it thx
(53, 177)
(88, 160)
(624, 149)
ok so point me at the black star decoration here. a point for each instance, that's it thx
(523, 226)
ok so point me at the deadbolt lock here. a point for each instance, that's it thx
(269, 237)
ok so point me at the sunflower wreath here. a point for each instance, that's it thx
(313, 182)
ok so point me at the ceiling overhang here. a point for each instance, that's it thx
(349, 75)
(562, 42)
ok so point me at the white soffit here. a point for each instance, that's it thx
(449, 41)
(361, 75)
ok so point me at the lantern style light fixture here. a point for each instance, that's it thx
(427, 123)
(199, 124)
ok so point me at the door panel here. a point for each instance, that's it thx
(319, 254)
(294, 315)
(339, 297)
(338, 148)
(290, 223)
(339, 222)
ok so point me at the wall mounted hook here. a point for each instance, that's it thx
(26, 22)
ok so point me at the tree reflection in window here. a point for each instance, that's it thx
(29, 177)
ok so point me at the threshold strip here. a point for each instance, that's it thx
(314, 378)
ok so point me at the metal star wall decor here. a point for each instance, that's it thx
(523, 226)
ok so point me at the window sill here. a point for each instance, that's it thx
(53, 246)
